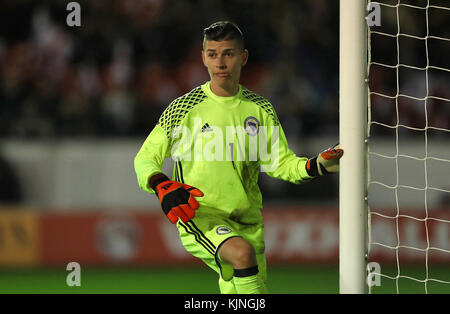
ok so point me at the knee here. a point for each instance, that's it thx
(238, 253)
(245, 255)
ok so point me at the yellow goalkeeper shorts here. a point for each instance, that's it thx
(203, 235)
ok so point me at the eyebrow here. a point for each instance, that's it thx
(225, 50)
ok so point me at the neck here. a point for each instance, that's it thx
(225, 91)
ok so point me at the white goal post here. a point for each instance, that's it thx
(352, 129)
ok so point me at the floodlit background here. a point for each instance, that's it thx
(78, 102)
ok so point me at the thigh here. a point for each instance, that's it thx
(202, 237)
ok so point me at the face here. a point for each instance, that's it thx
(224, 60)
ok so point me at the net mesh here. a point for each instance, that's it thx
(409, 154)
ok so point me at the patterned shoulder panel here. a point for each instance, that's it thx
(261, 102)
(177, 110)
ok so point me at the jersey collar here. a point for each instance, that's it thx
(230, 101)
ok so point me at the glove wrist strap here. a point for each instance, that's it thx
(154, 182)
(311, 167)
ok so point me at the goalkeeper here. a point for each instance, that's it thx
(216, 202)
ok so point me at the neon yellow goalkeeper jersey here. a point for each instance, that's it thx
(220, 145)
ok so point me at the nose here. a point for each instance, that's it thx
(221, 63)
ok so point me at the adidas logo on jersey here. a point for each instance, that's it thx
(206, 128)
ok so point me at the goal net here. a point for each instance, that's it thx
(409, 146)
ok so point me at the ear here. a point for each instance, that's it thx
(244, 57)
(203, 58)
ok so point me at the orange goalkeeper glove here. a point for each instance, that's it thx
(325, 163)
(177, 199)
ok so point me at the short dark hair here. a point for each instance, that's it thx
(223, 30)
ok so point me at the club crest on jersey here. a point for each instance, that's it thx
(223, 230)
(251, 125)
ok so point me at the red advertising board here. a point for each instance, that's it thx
(109, 238)
(410, 236)
(293, 235)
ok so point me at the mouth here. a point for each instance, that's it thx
(223, 75)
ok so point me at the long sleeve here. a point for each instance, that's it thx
(150, 158)
(158, 144)
(283, 163)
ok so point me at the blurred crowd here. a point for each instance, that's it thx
(415, 95)
(115, 74)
